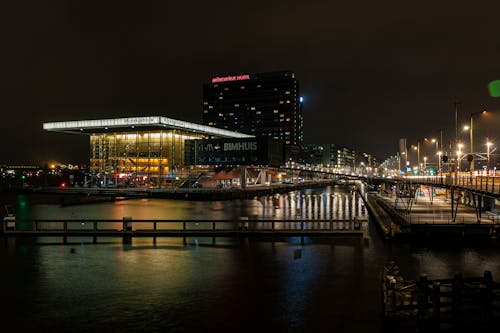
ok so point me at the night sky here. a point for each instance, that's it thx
(370, 71)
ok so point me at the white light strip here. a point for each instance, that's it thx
(202, 128)
(141, 121)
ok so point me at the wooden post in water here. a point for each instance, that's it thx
(436, 301)
(486, 296)
(422, 302)
(457, 301)
(127, 230)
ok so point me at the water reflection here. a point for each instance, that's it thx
(309, 204)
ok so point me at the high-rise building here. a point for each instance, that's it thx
(264, 105)
(330, 155)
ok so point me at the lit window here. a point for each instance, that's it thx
(242, 87)
(220, 97)
(221, 115)
(259, 86)
(281, 102)
(252, 108)
(258, 112)
(205, 103)
(205, 111)
(287, 92)
(210, 107)
(226, 88)
(275, 111)
(287, 142)
(236, 105)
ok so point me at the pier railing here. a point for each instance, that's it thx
(159, 227)
(432, 304)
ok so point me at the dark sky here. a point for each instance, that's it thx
(370, 71)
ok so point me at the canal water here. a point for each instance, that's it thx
(233, 285)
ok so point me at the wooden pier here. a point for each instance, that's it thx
(450, 304)
(129, 228)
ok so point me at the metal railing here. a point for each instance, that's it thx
(486, 184)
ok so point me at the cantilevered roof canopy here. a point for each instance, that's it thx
(137, 123)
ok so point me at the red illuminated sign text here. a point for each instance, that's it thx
(230, 78)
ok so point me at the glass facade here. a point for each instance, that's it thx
(150, 155)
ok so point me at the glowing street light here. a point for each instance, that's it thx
(459, 153)
(488, 146)
(439, 153)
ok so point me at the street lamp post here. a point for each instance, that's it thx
(459, 152)
(439, 153)
(488, 146)
(418, 156)
(417, 148)
(471, 139)
(425, 164)
(437, 150)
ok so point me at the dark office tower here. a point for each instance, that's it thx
(264, 105)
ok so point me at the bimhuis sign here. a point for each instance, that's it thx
(250, 151)
(229, 146)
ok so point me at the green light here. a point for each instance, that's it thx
(23, 177)
(494, 88)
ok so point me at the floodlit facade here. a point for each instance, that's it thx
(336, 156)
(140, 150)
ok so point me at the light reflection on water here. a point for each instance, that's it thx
(310, 204)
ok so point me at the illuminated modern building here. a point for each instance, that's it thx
(150, 149)
(264, 105)
(329, 155)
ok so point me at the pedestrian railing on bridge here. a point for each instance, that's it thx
(486, 184)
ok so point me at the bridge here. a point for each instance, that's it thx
(476, 189)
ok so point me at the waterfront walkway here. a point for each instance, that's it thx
(438, 211)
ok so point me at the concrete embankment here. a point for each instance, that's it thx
(235, 193)
(66, 199)
(76, 196)
(380, 216)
